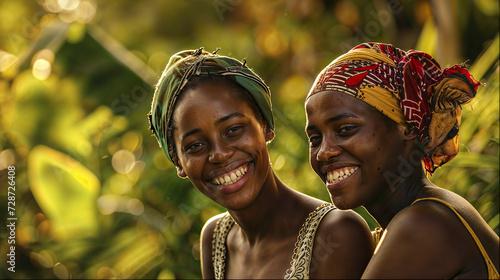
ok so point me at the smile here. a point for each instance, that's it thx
(231, 177)
(340, 174)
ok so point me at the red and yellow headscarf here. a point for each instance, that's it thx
(408, 87)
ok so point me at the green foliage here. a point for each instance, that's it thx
(97, 198)
(72, 209)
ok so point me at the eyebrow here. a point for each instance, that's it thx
(217, 122)
(228, 117)
(333, 119)
(189, 133)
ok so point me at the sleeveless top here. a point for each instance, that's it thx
(302, 252)
(492, 271)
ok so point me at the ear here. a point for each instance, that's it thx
(269, 133)
(409, 134)
(180, 171)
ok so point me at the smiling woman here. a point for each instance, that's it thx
(379, 121)
(220, 143)
(212, 117)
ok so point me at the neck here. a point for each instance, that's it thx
(398, 196)
(266, 216)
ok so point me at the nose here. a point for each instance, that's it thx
(220, 152)
(328, 150)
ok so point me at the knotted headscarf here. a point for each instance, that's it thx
(180, 69)
(408, 87)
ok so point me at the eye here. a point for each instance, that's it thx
(314, 140)
(193, 148)
(346, 130)
(234, 130)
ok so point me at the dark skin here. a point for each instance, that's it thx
(217, 132)
(424, 240)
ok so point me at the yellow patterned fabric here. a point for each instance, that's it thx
(492, 271)
(301, 259)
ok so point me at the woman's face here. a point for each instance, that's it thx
(221, 145)
(353, 149)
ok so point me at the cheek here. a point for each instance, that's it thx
(254, 140)
(371, 151)
(384, 157)
(312, 160)
(192, 167)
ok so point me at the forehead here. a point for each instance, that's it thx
(335, 102)
(211, 99)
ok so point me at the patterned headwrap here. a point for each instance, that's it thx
(408, 87)
(180, 69)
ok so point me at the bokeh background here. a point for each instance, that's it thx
(96, 197)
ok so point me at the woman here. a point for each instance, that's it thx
(373, 116)
(212, 117)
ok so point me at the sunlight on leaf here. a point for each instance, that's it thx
(428, 38)
(486, 61)
(65, 190)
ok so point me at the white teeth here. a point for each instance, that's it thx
(335, 176)
(231, 178)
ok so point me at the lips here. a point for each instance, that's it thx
(340, 174)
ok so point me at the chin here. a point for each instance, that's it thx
(341, 203)
(342, 207)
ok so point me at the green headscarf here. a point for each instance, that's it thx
(186, 64)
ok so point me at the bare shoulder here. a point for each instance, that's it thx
(342, 247)
(344, 224)
(424, 213)
(417, 239)
(206, 236)
(209, 227)
(427, 222)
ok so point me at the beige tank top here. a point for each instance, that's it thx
(301, 258)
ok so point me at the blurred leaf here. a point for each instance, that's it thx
(476, 161)
(489, 7)
(487, 59)
(494, 222)
(427, 40)
(66, 191)
(52, 37)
